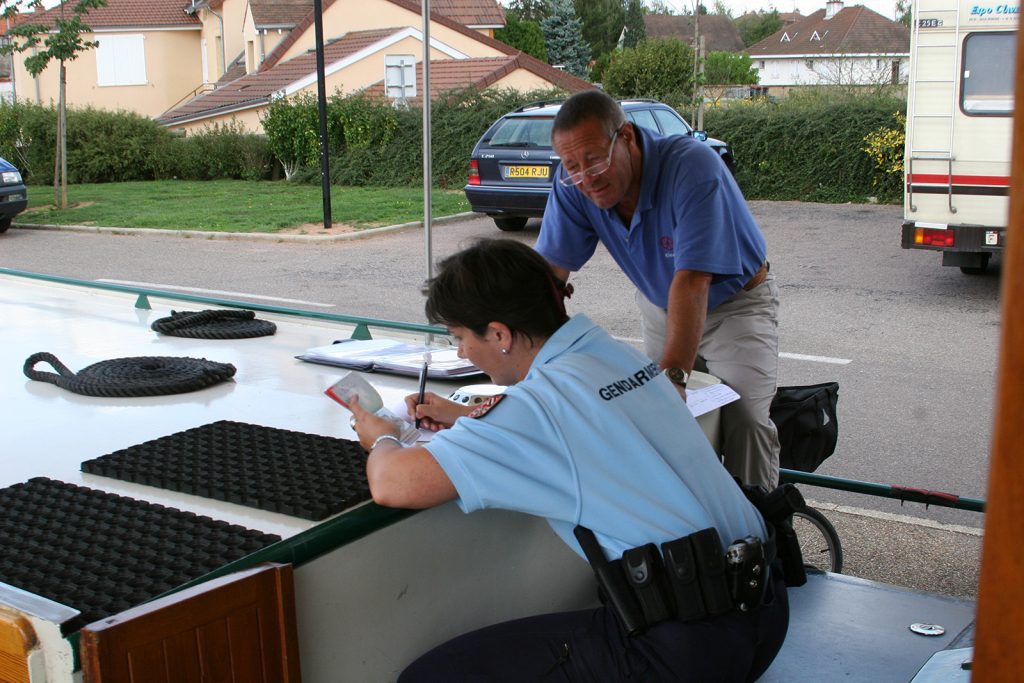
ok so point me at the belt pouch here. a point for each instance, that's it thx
(644, 573)
(681, 566)
(707, 548)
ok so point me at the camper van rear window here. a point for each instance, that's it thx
(987, 80)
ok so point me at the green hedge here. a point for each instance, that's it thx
(105, 146)
(457, 120)
(808, 147)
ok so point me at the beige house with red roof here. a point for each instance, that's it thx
(196, 63)
(851, 46)
(147, 59)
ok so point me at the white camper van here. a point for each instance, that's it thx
(959, 124)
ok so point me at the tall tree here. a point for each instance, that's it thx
(62, 42)
(903, 12)
(529, 10)
(661, 68)
(757, 27)
(523, 35)
(725, 69)
(602, 23)
(662, 7)
(636, 30)
(563, 35)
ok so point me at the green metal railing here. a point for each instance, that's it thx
(901, 493)
(362, 324)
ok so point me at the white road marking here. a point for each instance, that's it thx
(215, 292)
(815, 359)
(892, 517)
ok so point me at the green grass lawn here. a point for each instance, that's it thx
(233, 205)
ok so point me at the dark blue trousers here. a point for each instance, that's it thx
(590, 646)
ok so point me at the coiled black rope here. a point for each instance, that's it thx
(214, 324)
(142, 376)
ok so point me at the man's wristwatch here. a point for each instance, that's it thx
(678, 376)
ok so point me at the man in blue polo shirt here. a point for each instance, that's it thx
(673, 218)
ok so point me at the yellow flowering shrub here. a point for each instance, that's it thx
(885, 148)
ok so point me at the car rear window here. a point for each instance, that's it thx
(671, 124)
(643, 118)
(522, 132)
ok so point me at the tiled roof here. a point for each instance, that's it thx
(471, 12)
(481, 72)
(288, 13)
(411, 5)
(853, 30)
(256, 89)
(7, 24)
(127, 14)
(279, 13)
(719, 31)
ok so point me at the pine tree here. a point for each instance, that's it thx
(602, 22)
(563, 34)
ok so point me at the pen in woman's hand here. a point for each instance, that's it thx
(423, 387)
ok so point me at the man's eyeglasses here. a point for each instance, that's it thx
(571, 179)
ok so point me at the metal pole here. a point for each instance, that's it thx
(428, 168)
(321, 100)
(696, 56)
(700, 86)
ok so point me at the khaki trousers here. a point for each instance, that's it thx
(740, 346)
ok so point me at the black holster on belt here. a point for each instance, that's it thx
(689, 579)
(777, 508)
(611, 582)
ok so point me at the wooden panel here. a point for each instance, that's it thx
(998, 655)
(236, 629)
(17, 638)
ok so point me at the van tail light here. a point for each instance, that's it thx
(934, 238)
(474, 172)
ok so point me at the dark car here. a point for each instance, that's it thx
(512, 166)
(13, 196)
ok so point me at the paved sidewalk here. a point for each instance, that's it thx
(349, 234)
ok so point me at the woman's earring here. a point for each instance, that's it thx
(505, 351)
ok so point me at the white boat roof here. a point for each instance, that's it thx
(49, 431)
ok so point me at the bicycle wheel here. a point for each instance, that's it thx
(819, 542)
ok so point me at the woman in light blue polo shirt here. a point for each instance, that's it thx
(589, 433)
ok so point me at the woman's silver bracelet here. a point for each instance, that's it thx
(385, 437)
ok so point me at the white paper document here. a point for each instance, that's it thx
(389, 355)
(704, 400)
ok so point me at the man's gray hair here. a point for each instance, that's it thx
(589, 105)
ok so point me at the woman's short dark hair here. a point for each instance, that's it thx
(497, 280)
(589, 105)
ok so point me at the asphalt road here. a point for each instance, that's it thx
(912, 345)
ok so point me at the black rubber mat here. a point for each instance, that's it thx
(294, 473)
(101, 553)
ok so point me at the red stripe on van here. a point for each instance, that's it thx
(941, 179)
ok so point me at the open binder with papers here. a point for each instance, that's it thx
(390, 355)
